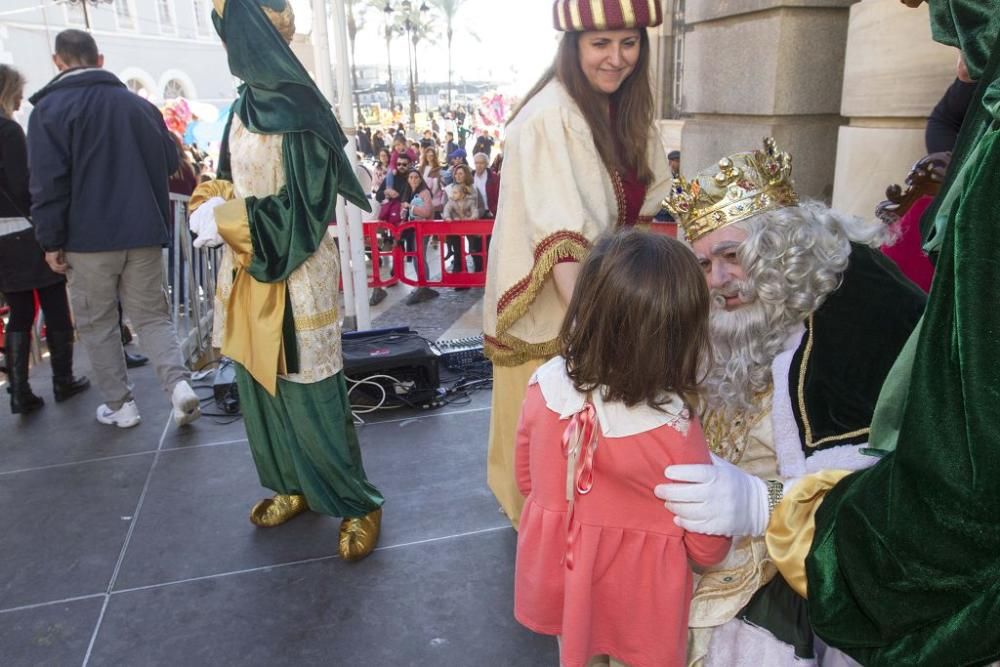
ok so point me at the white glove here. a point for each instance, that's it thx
(719, 499)
(202, 223)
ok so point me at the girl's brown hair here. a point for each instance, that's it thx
(624, 145)
(637, 325)
(11, 84)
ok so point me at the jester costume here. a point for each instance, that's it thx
(902, 560)
(281, 168)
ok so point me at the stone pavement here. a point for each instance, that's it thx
(134, 547)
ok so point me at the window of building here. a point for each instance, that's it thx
(124, 14)
(201, 20)
(165, 11)
(74, 13)
(174, 89)
(137, 87)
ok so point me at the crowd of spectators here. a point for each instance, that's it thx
(431, 178)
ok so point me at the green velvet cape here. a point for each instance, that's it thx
(905, 564)
(279, 97)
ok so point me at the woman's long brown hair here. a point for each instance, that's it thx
(11, 83)
(634, 101)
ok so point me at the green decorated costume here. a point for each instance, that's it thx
(905, 564)
(281, 167)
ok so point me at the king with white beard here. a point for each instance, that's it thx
(808, 317)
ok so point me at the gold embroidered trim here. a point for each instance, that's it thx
(514, 352)
(728, 435)
(317, 321)
(514, 303)
(506, 350)
(806, 354)
(619, 187)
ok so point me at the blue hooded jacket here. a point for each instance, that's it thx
(100, 159)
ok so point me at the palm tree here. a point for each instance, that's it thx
(417, 24)
(422, 30)
(390, 31)
(355, 22)
(449, 8)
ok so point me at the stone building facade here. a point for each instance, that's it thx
(161, 48)
(844, 86)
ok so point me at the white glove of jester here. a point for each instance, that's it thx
(715, 499)
(202, 223)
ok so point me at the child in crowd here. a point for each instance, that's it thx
(461, 203)
(600, 561)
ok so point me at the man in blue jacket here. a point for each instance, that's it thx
(100, 160)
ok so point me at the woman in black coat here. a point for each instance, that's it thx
(23, 270)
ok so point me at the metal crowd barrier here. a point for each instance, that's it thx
(469, 238)
(189, 277)
(391, 247)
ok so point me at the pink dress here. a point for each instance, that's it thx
(614, 579)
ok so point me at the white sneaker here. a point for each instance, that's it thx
(187, 407)
(126, 416)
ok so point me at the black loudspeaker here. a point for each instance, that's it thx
(406, 363)
(224, 391)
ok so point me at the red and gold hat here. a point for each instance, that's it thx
(587, 15)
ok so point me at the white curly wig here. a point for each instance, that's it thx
(794, 257)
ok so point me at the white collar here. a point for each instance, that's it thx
(616, 419)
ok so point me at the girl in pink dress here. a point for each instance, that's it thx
(599, 562)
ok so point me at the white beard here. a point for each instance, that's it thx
(745, 342)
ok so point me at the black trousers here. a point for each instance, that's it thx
(54, 303)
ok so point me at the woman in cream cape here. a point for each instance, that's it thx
(582, 157)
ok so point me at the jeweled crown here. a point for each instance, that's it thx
(743, 185)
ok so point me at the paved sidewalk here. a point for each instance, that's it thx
(134, 547)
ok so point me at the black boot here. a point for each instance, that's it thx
(64, 385)
(22, 401)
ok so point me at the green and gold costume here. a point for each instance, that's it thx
(904, 568)
(282, 166)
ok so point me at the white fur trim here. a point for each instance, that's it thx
(739, 644)
(844, 457)
(787, 445)
(616, 419)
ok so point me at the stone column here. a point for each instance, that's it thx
(671, 128)
(893, 76)
(756, 68)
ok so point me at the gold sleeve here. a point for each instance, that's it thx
(793, 524)
(205, 191)
(234, 228)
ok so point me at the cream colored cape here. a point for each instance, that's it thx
(556, 198)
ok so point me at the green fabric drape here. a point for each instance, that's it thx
(303, 442)
(279, 97)
(905, 564)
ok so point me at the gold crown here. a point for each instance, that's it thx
(745, 185)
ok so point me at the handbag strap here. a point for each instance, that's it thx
(26, 216)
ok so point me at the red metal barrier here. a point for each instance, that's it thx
(468, 239)
(380, 246)
(394, 247)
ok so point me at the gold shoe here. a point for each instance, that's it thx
(275, 511)
(358, 536)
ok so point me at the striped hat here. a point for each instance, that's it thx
(587, 15)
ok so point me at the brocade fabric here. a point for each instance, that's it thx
(312, 288)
